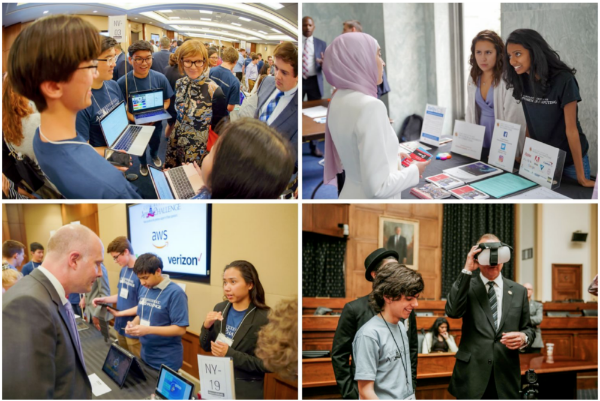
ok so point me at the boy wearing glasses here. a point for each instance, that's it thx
(224, 77)
(127, 296)
(140, 79)
(57, 74)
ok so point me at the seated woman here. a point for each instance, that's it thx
(358, 136)
(549, 93)
(488, 97)
(200, 105)
(438, 339)
(250, 160)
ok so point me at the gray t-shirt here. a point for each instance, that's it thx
(376, 358)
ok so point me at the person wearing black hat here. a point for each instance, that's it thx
(354, 315)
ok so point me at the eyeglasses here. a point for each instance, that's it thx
(93, 67)
(197, 63)
(214, 57)
(108, 60)
(148, 60)
(117, 257)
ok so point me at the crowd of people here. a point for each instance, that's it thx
(55, 96)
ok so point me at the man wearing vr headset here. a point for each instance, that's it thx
(496, 324)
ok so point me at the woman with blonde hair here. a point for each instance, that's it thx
(200, 105)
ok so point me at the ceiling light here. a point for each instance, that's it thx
(205, 12)
(274, 6)
(264, 33)
(165, 11)
(245, 19)
(275, 30)
(174, 18)
(46, 12)
(233, 23)
(95, 11)
(205, 19)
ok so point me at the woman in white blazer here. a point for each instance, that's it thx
(488, 98)
(437, 339)
(358, 136)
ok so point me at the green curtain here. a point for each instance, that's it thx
(323, 266)
(463, 225)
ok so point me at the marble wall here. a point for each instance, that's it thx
(572, 30)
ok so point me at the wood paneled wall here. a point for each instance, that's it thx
(13, 227)
(85, 214)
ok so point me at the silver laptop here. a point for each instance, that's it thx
(177, 183)
(148, 106)
(119, 135)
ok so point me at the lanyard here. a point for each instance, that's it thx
(240, 325)
(100, 108)
(403, 346)
(131, 275)
(152, 307)
(135, 81)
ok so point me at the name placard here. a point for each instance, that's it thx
(505, 141)
(216, 378)
(467, 139)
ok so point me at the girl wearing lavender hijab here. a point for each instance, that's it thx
(358, 136)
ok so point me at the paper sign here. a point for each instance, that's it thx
(539, 162)
(117, 27)
(433, 124)
(98, 386)
(216, 378)
(467, 139)
(505, 141)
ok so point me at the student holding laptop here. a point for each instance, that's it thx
(58, 79)
(143, 79)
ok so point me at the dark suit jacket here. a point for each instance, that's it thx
(400, 247)
(354, 315)
(160, 61)
(480, 349)
(248, 370)
(119, 70)
(40, 358)
(287, 122)
(319, 46)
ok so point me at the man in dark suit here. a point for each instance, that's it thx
(398, 243)
(119, 70)
(42, 356)
(161, 58)
(354, 315)
(312, 71)
(495, 325)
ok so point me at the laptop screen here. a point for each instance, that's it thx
(116, 365)
(161, 184)
(147, 100)
(173, 387)
(114, 123)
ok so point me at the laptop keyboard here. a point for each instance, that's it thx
(181, 183)
(150, 114)
(128, 139)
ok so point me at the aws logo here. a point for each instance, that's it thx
(159, 239)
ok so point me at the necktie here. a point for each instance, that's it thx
(74, 330)
(305, 54)
(493, 303)
(271, 107)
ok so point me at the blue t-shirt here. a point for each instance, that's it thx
(28, 268)
(79, 172)
(129, 280)
(88, 120)
(234, 319)
(74, 298)
(154, 80)
(228, 83)
(240, 63)
(163, 309)
(260, 65)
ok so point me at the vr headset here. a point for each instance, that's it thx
(493, 253)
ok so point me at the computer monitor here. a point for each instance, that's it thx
(173, 386)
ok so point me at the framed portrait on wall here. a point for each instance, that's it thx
(402, 236)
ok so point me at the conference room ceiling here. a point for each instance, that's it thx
(209, 20)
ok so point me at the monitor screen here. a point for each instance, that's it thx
(180, 234)
(116, 365)
(114, 123)
(146, 101)
(172, 387)
(161, 184)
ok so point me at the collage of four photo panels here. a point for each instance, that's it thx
(168, 233)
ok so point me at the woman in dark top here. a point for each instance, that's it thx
(231, 329)
(438, 339)
(172, 73)
(549, 93)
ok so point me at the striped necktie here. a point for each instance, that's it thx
(305, 54)
(493, 303)
(74, 330)
(271, 107)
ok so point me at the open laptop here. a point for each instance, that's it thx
(119, 135)
(177, 183)
(119, 362)
(172, 386)
(148, 106)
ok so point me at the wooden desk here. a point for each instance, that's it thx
(312, 130)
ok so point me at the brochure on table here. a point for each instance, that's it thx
(503, 185)
(542, 164)
(505, 141)
(433, 125)
(467, 139)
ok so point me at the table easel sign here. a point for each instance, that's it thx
(542, 164)
(216, 378)
(467, 139)
(505, 141)
(433, 125)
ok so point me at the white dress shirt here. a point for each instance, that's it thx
(57, 285)
(281, 105)
(312, 69)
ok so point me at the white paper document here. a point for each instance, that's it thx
(539, 162)
(217, 381)
(467, 139)
(505, 141)
(539, 193)
(98, 386)
(433, 125)
(314, 112)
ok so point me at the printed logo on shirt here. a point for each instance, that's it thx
(106, 109)
(229, 331)
(152, 303)
(127, 282)
(538, 100)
